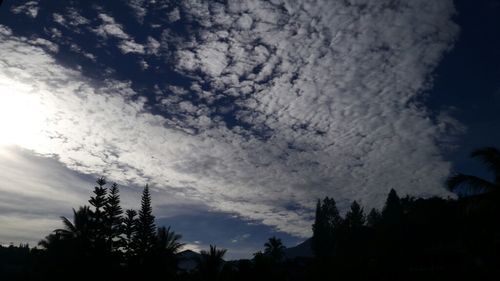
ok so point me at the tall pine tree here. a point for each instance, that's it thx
(98, 216)
(130, 230)
(113, 212)
(145, 238)
(355, 218)
(393, 209)
(327, 221)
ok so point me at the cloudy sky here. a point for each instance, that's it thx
(239, 114)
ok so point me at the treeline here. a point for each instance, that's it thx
(407, 239)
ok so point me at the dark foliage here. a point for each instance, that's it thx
(409, 239)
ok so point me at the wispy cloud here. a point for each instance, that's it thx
(29, 8)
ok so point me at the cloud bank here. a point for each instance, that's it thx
(287, 102)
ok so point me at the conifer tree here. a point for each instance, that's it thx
(393, 209)
(145, 238)
(373, 218)
(130, 229)
(113, 212)
(327, 221)
(355, 217)
(98, 201)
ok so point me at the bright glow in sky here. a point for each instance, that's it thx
(22, 115)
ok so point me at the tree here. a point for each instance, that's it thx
(167, 245)
(145, 238)
(355, 217)
(98, 201)
(326, 222)
(373, 218)
(490, 156)
(80, 229)
(211, 262)
(393, 209)
(113, 214)
(168, 241)
(50, 240)
(130, 229)
(274, 248)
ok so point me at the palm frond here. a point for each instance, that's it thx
(475, 184)
(490, 156)
(68, 225)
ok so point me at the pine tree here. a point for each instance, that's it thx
(130, 230)
(373, 218)
(327, 221)
(145, 238)
(355, 217)
(98, 201)
(113, 212)
(393, 209)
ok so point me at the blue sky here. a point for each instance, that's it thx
(241, 114)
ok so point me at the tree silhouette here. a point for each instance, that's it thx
(167, 246)
(145, 237)
(113, 212)
(326, 222)
(80, 229)
(373, 218)
(490, 156)
(355, 217)
(211, 262)
(98, 201)
(274, 248)
(393, 209)
(168, 241)
(130, 230)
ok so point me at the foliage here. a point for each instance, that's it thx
(468, 184)
(409, 238)
(274, 248)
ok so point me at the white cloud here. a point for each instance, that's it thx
(109, 28)
(174, 15)
(138, 6)
(322, 105)
(153, 46)
(131, 47)
(29, 8)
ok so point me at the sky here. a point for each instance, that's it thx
(239, 114)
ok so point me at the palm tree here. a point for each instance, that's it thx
(274, 248)
(80, 229)
(50, 240)
(211, 262)
(490, 156)
(168, 240)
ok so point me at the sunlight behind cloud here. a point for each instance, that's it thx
(22, 114)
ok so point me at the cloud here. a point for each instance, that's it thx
(131, 47)
(35, 192)
(29, 8)
(109, 28)
(288, 102)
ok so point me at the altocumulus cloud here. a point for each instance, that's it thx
(321, 94)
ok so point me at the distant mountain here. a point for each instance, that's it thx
(188, 260)
(303, 250)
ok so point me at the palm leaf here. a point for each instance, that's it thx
(490, 156)
(475, 184)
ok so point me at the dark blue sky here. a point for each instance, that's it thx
(467, 82)
(240, 115)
